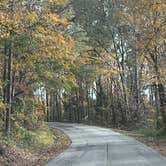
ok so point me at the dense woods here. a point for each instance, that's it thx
(121, 81)
(86, 61)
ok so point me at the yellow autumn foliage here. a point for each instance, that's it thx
(54, 19)
(58, 1)
(2, 106)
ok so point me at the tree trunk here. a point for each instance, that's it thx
(4, 81)
(162, 102)
(9, 94)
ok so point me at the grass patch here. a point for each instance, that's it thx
(143, 132)
(153, 138)
(44, 138)
(147, 132)
(32, 148)
(37, 139)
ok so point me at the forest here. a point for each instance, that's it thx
(97, 62)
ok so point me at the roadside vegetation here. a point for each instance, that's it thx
(36, 149)
(33, 49)
(151, 137)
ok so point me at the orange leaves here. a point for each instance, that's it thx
(31, 17)
(39, 38)
(17, 21)
(3, 16)
(54, 19)
(52, 43)
(58, 1)
(159, 6)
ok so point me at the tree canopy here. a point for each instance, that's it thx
(97, 61)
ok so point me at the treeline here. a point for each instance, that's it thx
(34, 53)
(123, 82)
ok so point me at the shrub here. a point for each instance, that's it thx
(37, 138)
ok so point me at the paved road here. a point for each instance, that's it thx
(95, 146)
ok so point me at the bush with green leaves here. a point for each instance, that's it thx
(40, 137)
(29, 113)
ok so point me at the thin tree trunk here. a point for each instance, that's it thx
(47, 105)
(9, 93)
(162, 102)
(5, 81)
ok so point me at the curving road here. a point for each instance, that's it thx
(96, 146)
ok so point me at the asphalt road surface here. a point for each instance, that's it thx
(96, 146)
